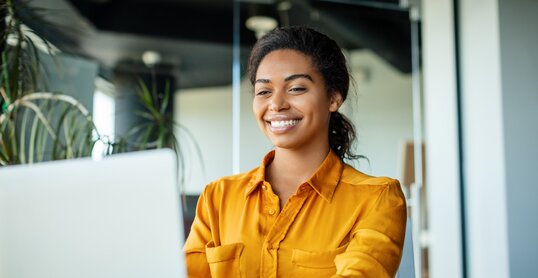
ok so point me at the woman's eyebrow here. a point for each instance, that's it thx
(262, 81)
(296, 76)
(289, 78)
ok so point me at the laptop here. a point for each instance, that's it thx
(117, 217)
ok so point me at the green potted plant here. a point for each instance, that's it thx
(35, 125)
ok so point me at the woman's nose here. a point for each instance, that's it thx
(278, 102)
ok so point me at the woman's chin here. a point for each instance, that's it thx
(283, 144)
(289, 143)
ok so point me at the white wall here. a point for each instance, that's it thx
(381, 110)
(499, 64)
(206, 113)
(483, 140)
(441, 136)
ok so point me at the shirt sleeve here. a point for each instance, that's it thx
(199, 236)
(376, 244)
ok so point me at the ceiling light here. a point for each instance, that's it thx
(151, 58)
(261, 25)
(284, 6)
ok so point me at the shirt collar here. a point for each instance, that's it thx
(259, 175)
(323, 181)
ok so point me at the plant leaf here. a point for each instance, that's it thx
(166, 98)
(33, 140)
(22, 137)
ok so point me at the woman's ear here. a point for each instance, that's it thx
(336, 101)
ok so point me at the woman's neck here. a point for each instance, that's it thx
(290, 168)
(299, 164)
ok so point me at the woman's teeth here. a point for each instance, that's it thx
(284, 123)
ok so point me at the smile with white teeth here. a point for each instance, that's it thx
(284, 123)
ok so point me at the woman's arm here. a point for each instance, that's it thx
(199, 236)
(375, 249)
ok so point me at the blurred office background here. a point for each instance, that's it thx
(456, 79)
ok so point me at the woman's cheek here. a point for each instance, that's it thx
(257, 110)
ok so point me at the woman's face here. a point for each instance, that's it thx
(291, 103)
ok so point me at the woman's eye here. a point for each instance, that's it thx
(297, 89)
(262, 92)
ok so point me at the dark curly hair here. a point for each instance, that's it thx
(328, 59)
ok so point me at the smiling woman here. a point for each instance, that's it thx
(303, 212)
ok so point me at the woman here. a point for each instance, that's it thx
(303, 212)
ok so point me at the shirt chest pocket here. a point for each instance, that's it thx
(315, 264)
(224, 260)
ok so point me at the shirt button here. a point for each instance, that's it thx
(272, 211)
(264, 187)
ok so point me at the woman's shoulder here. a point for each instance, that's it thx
(356, 179)
(358, 186)
(232, 183)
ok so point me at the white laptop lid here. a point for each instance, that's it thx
(118, 217)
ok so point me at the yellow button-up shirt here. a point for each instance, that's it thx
(339, 223)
